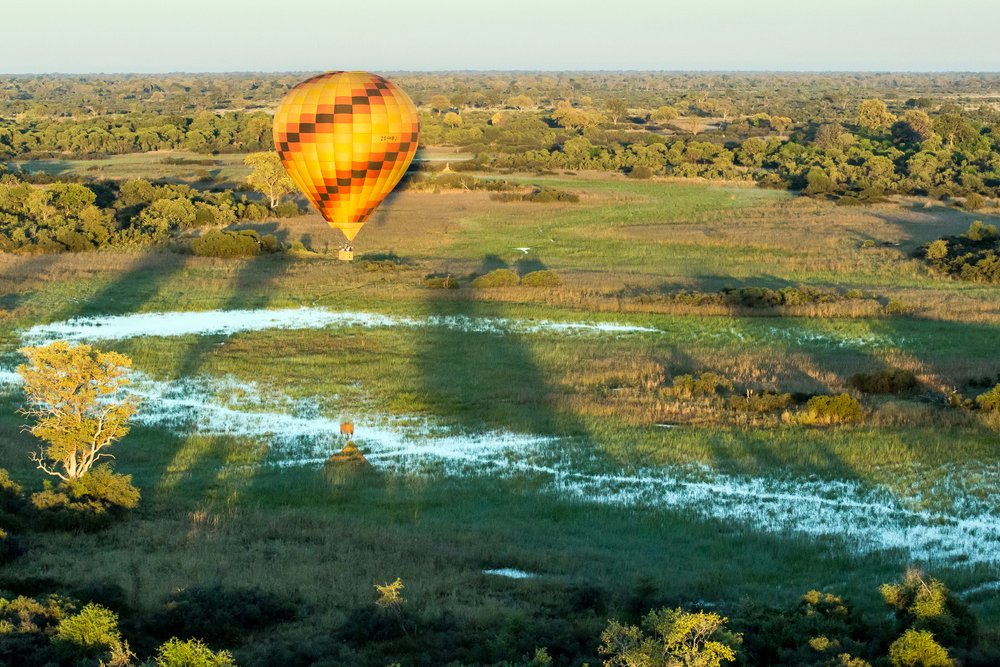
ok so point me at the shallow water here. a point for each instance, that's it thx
(863, 517)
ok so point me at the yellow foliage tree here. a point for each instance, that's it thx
(75, 398)
(874, 115)
(670, 638)
(268, 176)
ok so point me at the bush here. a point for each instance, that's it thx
(88, 503)
(973, 202)
(441, 282)
(989, 401)
(11, 494)
(216, 243)
(543, 278)
(917, 648)
(886, 381)
(972, 256)
(706, 384)
(270, 243)
(641, 172)
(103, 485)
(26, 627)
(544, 195)
(980, 231)
(834, 409)
(91, 632)
(288, 210)
(191, 653)
(497, 278)
(765, 402)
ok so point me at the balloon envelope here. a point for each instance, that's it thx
(346, 139)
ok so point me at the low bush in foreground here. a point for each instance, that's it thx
(441, 282)
(220, 243)
(705, 384)
(886, 381)
(761, 403)
(88, 503)
(497, 278)
(974, 256)
(840, 409)
(543, 278)
(989, 401)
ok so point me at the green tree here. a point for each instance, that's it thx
(616, 108)
(452, 119)
(74, 397)
(268, 176)
(440, 103)
(670, 638)
(166, 215)
(520, 102)
(915, 125)
(917, 648)
(664, 114)
(831, 135)
(874, 115)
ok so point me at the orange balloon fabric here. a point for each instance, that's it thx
(346, 139)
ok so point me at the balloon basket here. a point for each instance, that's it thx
(345, 255)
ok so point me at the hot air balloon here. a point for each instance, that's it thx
(346, 139)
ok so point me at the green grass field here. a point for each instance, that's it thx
(226, 507)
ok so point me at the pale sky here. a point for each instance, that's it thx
(396, 35)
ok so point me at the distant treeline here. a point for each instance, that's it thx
(74, 217)
(853, 136)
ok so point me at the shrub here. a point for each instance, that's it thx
(94, 630)
(497, 278)
(543, 278)
(927, 604)
(761, 403)
(937, 250)
(897, 307)
(216, 243)
(980, 231)
(287, 210)
(641, 172)
(973, 202)
(103, 485)
(11, 494)
(917, 648)
(88, 503)
(886, 381)
(706, 384)
(544, 195)
(270, 243)
(834, 409)
(989, 401)
(26, 627)
(441, 282)
(191, 653)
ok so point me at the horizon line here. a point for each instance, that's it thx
(512, 71)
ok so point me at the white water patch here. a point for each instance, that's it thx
(229, 322)
(511, 573)
(988, 587)
(300, 434)
(866, 518)
(10, 378)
